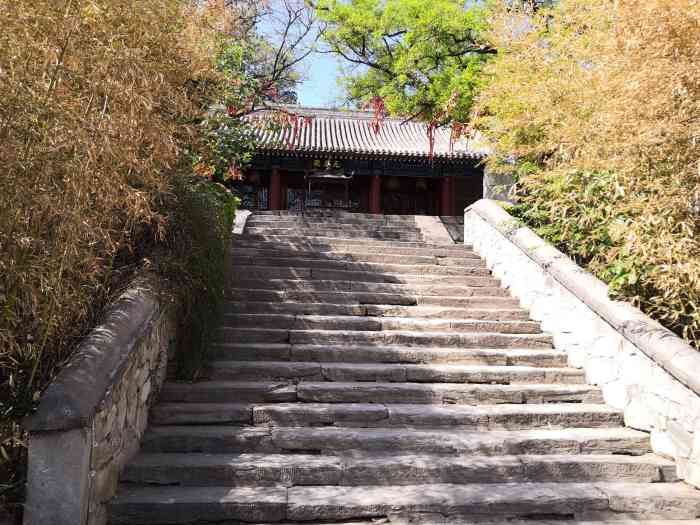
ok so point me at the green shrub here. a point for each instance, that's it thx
(200, 246)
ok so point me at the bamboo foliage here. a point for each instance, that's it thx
(97, 98)
(596, 105)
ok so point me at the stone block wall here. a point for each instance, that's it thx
(642, 368)
(91, 418)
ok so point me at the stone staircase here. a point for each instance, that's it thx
(363, 375)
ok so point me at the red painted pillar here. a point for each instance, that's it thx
(284, 205)
(275, 190)
(375, 195)
(453, 192)
(445, 196)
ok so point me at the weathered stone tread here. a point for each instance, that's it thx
(375, 392)
(636, 500)
(419, 312)
(301, 469)
(386, 338)
(405, 373)
(390, 354)
(373, 323)
(483, 417)
(181, 505)
(217, 439)
(187, 505)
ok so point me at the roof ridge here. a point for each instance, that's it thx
(353, 114)
(350, 132)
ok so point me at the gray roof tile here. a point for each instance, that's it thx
(350, 132)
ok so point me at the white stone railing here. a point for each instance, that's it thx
(91, 418)
(641, 367)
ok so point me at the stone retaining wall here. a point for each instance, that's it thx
(91, 418)
(642, 368)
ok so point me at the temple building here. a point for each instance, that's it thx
(343, 160)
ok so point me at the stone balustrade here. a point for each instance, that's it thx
(642, 368)
(91, 418)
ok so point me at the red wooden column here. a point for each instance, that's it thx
(275, 189)
(284, 205)
(453, 193)
(375, 195)
(445, 196)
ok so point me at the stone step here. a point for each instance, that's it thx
(501, 312)
(141, 505)
(309, 242)
(387, 338)
(326, 219)
(422, 312)
(434, 519)
(389, 354)
(445, 393)
(228, 392)
(352, 232)
(372, 323)
(368, 298)
(439, 519)
(373, 415)
(434, 275)
(300, 227)
(368, 392)
(468, 266)
(280, 257)
(339, 235)
(399, 220)
(477, 286)
(332, 216)
(342, 470)
(396, 373)
(339, 440)
(483, 417)
(331, 213)
(320, 225)
(240, 293)
(333, 246)
(137, 505)
(483, 299)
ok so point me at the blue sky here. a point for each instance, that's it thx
(320, 71)
(320, 85)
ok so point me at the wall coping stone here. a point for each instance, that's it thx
(240, 221)
(84, 384)
(661, 345)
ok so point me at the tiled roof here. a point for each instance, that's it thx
(350, 132)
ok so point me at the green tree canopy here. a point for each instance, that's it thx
(424, 59)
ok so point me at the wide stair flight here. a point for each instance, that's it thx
(363, 375)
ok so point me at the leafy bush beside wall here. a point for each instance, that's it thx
(200, 262)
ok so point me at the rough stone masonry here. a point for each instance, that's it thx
(91, 419)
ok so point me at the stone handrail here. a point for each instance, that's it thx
(641, 367)
(90, 419)
(659, 343)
